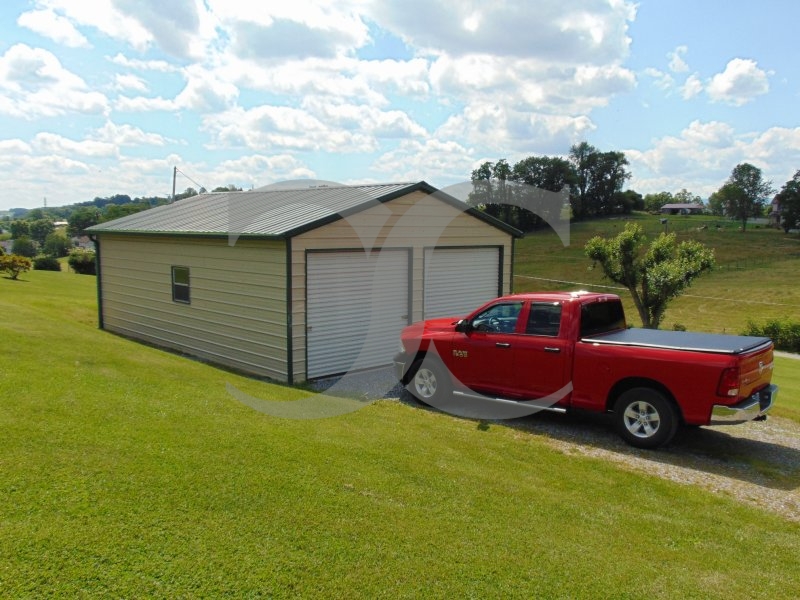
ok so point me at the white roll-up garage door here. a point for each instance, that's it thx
(458, 280)
(357, 305)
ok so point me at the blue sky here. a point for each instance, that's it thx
(106, 97)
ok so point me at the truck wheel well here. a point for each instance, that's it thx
(420, 355)
(626, 384)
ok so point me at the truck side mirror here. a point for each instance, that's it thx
(463, 326)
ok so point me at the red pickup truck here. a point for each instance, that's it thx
(561, 351)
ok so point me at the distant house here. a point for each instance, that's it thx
(682, 209)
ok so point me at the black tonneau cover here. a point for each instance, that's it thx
(679, 340)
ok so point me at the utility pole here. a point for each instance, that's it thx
(174, 176)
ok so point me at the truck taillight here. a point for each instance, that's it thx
(729, 383)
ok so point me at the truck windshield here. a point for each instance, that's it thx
(601, 317)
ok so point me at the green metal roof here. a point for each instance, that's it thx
(271, 212)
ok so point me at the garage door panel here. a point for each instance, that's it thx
(458, 280)
(357, 305)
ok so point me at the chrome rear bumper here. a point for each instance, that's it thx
(757, 405)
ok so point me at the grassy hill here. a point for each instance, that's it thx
(126, 471)
(756, 277)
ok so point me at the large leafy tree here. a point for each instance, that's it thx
(654, 274)
(552, 174)
(40, 229)
(789, 200)
(654, 202)
(745, 193)
(599, 177)
(81, 219)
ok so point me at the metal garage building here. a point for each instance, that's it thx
(297, 283)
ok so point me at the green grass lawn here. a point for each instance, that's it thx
(126, 471)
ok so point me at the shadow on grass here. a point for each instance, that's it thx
(719, 451)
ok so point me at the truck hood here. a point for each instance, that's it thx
(431, 326)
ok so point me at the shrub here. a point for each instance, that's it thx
(82, 261)
(785, 333)
(13, 264)
(46, 263)
(24, 246)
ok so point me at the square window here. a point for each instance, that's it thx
(180, 284)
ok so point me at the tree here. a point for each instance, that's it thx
(653, 275)
(546, 173)
(745, 193)
(716, 203)
(24, 246)
(81, 219)
(114, 211)
(687, 197)
(582, 157)
(789, 200)
(40, 229)
(599, 178)
(628, 201)
(490, 190)
(56, 244)
(19, 228)
(13, 264)
(654, 202)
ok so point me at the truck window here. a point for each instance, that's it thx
(498, 318)
(544, 319)
(601, 317)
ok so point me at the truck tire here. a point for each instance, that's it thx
(644, 418)
(430, 382)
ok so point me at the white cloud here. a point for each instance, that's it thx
(128, 135)
(129, 82)
(676, 62)
(103, 16)
(35, 84)
(556, 32)
(663, 80)
(702, 156)
(282, 128)
(499, 130)
(740, 82)
(256, 170)
(55, 27)
(691, 87)
(14, 147)
(50, 143)
(433, 160)
(161, 66)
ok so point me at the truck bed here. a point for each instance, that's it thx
(680, 340)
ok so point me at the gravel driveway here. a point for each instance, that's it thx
(756, 463)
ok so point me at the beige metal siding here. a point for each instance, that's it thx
(416, 221)
(237, 314)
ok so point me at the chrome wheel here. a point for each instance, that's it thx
(642, 419)
(430, 383)
(425, 383)
(646, 418)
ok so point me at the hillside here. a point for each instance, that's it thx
(755, 278)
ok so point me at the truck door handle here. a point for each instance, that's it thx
(552, 349)
(503, 345)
